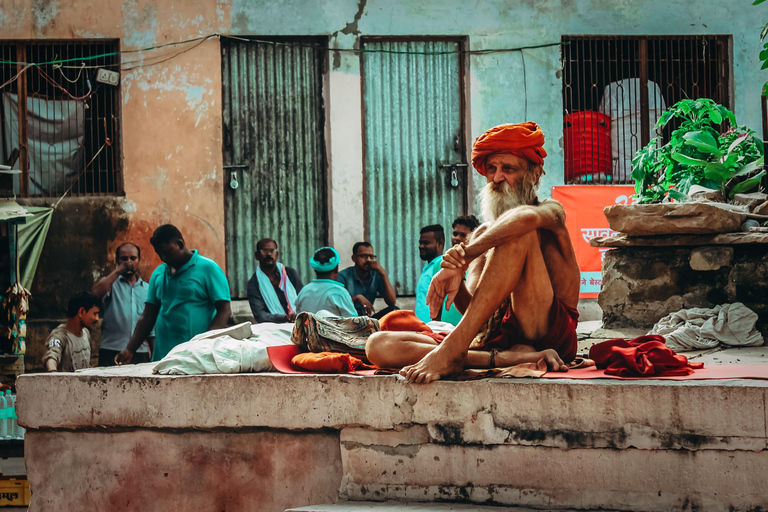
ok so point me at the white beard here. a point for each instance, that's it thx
(495, 203)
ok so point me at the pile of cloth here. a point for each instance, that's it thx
(732, 325)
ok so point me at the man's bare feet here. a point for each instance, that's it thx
(440, 362)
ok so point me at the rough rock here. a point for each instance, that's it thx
(761, 209)
(643, 284)
(750, 200)
(675, 218)
(711, 257)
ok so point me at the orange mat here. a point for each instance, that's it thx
(709, 372)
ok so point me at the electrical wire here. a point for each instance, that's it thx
(63, 62)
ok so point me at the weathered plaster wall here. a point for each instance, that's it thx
(189, 471)
(497, 91)
(171, 142)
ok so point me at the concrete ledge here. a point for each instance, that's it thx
(638, 446)
(728, 415)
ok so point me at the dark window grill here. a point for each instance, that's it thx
(616, 87)
(58, 125)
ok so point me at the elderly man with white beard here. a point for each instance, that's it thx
(521, 291)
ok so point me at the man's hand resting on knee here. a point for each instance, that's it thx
(445, 283)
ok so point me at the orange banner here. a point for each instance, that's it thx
(584, 218)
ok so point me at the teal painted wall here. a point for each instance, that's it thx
(496, 81)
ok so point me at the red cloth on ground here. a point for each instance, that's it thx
(329, 362)
(524, 140)
(406, 320)
(561, 337)
(645, 356)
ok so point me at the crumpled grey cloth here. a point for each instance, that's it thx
(702, 328)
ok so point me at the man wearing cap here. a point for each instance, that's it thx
(522, 285)
(325, 293)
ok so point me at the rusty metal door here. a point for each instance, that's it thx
(415, 164)
(274, 152)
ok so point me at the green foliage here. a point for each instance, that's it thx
(764, 52)
(697, 154)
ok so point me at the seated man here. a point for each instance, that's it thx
(325, 293)
(522, 287)
(463, 227)
(431, 244)
(365, 280)
(273, 288)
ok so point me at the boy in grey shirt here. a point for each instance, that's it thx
(68, 347)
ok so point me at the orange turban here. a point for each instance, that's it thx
(525, 140)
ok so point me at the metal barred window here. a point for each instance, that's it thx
(59, 118)
(616, 87)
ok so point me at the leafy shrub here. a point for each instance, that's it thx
(697, 154)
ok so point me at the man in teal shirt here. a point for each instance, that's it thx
(188, 294)
(431, 245)
(325, 293)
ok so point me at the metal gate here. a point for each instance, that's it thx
(274, 152)
(415, 166)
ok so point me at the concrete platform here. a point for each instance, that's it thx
(399, 506)
(124, 439)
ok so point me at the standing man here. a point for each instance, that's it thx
(463, 227)
(68, 347)
(273, 288)
(431, 244)
(325, 293)
(521, 269)
(188, 294)
(123, 294)
(367, 279)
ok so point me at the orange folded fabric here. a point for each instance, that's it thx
(525, 140)
(329, 362)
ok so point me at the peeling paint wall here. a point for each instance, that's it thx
(171, 109)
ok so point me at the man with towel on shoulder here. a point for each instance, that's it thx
(273, 288)
(325, 293)
(522, 284)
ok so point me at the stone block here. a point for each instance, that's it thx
(633, 480)
(750, 200)
(190, 471)
(675, 218)
(761, 209)
(643, 284)
(711, 257)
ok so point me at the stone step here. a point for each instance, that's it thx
(412, 506)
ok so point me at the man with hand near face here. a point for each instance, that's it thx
(367, 279)
(123, 294)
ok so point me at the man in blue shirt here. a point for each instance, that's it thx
(123, 293)
(367, 279)
(325, 293)
(188, 295)
(431, 244)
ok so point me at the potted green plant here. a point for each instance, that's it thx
(698, 154)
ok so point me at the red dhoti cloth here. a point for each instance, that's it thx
(561, 337)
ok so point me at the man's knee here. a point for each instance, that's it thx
(378, 345)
